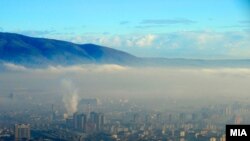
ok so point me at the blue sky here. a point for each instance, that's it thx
(153, 28)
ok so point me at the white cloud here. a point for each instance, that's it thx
(66, 69)
(83, 68)
(14, 67)
(110, 68)
(146, 41)
(185, 44)
(228, 71)
(117, 40)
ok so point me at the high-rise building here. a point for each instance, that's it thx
(98, 120)
(22, 132)
(212, 139)
(53, 113)
(182, 139)
(237, 120)
(69, 122)
(223, 138)
(182, 133)
(93, 116)
(136, 118)
(80, 121)
(170, 118)
(228, 110)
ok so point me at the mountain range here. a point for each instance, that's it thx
(41, 52)
(29, 51)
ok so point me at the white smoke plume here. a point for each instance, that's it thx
(70, 96)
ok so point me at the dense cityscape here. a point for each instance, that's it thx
(119, 120)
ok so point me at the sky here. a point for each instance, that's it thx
(211, 29)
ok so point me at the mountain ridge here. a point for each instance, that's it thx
(26, 50)
(41, 52)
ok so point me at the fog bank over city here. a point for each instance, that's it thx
(161, 84)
